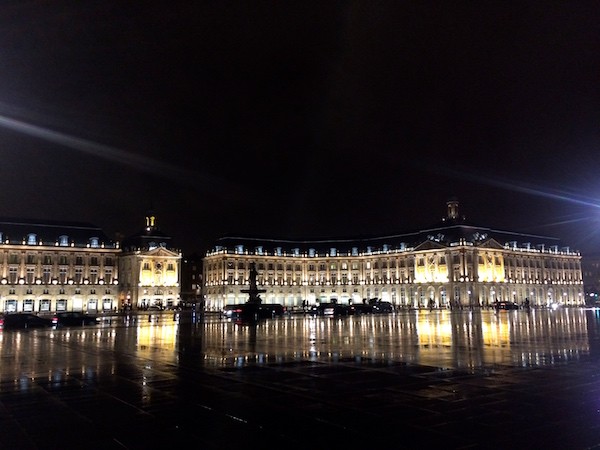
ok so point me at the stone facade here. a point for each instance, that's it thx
(47, 267)
(451, 264)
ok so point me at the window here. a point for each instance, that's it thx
(30, 259)
(94, 275)
(94, 242)
(79, 261)
(146, 266)
(170, 267)
(108, 261)
(31, 239)
(63, 240)
(62, 260)
(94, 261)
(12, 275)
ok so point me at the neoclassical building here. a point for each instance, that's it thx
(451, 263)
(150, 268)
(50, 266)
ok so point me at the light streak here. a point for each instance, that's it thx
(138, 162)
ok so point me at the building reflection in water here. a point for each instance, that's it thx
(145, 348)
(442, 339)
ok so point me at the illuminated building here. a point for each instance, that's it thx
(150, 269)
(48, 266)
(451, 264)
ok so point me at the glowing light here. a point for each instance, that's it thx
(139, 162)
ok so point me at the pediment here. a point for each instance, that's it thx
(429, 245)
(491, 243)
(161, 252)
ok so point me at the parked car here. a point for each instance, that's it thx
(23, 321)
(269, 310)
(333, 309)
(362, 308)
(381, 307)
(506, 305)
(232, 311)
(73, 318)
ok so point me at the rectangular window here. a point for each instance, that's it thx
(108, 275)
(46, 276)
(30, 275)
(94, 275)
(12, 275)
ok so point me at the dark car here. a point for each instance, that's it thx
(333, 309)
(506, 305)
(73, 318)
(232, 311)
(381, 307)
(269, 310)
(23, 321)
(362, 308)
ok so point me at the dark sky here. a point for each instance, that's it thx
(301, 119)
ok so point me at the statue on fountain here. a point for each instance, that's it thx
(253, 291)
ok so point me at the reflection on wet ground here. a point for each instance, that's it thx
(461, 379)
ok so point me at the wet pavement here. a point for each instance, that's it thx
(414, 380)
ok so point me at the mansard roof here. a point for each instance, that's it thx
(148, 238)
(449, 232)
(17, 231)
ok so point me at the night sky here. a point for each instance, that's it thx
(301, 119)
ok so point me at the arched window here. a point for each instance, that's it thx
(63, 240)
(31, 239)
(94, 242)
